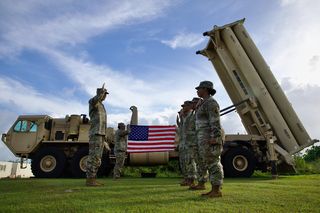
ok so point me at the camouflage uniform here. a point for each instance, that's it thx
(191, 147)
(181, 146)
(120, 149)
(182, 153)
(97, 133)
(208, 128)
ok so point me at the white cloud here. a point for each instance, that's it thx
(47, 26)
(24, 98)
(284, 3)
(291, 47)
(157, 97)
(6, 154)
(7, 119)
(305, 100)
(184, 40)
(27, 27)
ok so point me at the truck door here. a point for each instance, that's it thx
(24, 136)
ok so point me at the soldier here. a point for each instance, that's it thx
(120, 149)
(181, 148)
(194, 151)
(209, 135)
(188, 134)
(97, 134)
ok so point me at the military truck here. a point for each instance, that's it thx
(274, 130)
(59, 146)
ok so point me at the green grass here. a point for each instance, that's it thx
(257, 194)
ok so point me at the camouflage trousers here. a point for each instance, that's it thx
(192, 158)
(95, 154)
(183, 160)
(196, 168)
(120, 158)
(210, 155)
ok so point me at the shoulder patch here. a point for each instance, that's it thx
(216, 110)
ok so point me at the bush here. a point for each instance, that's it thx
(312, 154)
(304, 167)
(169, 170)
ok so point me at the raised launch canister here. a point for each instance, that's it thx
(260, 91)
(273, 86)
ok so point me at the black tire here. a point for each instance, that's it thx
(49, 162)
(76, 168)
(238, 162)
(104, 169)
(78, 163)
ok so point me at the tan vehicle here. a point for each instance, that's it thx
(59, 146)
(275, 132)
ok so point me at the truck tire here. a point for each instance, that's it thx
(49, 162)
(238, 162)
(79, 161)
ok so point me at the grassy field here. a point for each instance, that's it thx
(257, 194)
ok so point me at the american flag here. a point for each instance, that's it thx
(151, 138)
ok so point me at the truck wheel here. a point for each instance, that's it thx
(49, 162)
(78, 163)
(238, 162)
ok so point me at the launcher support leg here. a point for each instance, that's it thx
(272, 154)
(23, 161)
(274, 171)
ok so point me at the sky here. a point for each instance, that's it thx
(54, 54)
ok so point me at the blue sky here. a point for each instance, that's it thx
(53, 54)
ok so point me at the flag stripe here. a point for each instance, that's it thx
(161, 126)
(162, 130)
(152, 147)
(164, 134)
(154, 150)
(148, 143)
(160, 139)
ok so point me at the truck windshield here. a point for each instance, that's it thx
(25, 126)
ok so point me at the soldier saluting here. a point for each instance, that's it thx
(210, 136)
(97, 134)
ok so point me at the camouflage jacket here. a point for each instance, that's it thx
(189, 129)
(208, 118)
(98, 116)
(181, 144)
(120, 140)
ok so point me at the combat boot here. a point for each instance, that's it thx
(93, 182)
(192, 183)
(214, 193)
(184, 182)
(199, 186)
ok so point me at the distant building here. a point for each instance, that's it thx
(13, 170)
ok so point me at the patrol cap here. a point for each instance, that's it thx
(195, 99)
(186, 103)
(208, 85)
(121, 124)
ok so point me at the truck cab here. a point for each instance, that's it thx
(26, 134)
